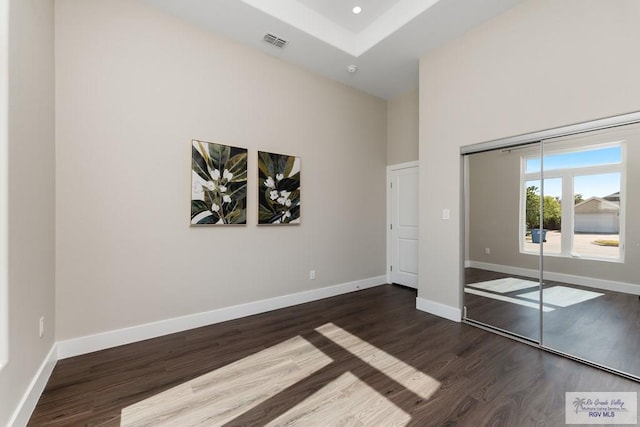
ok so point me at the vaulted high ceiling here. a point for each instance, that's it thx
(384, 41)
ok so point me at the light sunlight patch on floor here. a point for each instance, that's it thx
(222, 395)
(346, 401)
(504, 285)
(408, 376)
(561, 296)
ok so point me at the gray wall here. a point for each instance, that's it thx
(134, 86)
(31, 197)
(402, 128)
(494, 209)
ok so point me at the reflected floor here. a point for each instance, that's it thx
(593, 324)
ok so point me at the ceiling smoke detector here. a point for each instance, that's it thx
(352, 68)
(274, 40)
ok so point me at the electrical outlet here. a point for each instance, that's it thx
(41, 326)
(312, 274)
(487, 251)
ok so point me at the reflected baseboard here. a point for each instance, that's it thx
(589, 282)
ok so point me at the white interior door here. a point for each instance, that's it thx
(404, 226)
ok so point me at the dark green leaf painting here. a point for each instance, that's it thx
(278, 189)
(218, 184)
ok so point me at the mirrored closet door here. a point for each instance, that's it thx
(552, 242)
(497, 272)
(592, 251)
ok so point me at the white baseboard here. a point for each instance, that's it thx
(101, 341)
(30, 399)
(442, 310)
(589, 282)
(507, 269)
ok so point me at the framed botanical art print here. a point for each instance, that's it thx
(278, 189)
(218, 184)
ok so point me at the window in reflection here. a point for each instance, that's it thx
(596, 225)
(551, 231)
(581, 202)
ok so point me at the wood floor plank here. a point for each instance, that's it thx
(380, 363)
(408, 376)
(346, 401)
(221, 395)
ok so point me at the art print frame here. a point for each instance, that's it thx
(218, 184)
(278, 189)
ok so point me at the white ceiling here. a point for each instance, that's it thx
(385, 41)
(339, 11)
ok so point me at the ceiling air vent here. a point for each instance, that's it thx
(275, 40)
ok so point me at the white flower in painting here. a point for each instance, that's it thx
(286, 215)
(273, 195)
(270, 183)
(197, 186)
(197, 193)
(220, 221)
(210, 185)
(227, 175)
(223, 189)
(284, 198)
(215, 174)
(279, 177)
(215, 208)
(226, 198)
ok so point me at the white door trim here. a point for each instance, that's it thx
(390, 169)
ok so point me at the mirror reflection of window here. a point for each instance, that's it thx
(580, 196)
(596, 214)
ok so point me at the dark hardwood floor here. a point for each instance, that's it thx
(484, 379)
(604, 330)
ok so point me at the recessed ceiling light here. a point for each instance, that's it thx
(357, 10)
